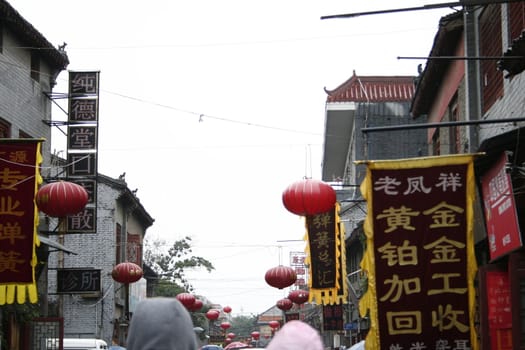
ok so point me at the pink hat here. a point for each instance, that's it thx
(296, 335)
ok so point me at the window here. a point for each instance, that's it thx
(23, 135)
(516, 15)
(5, 129)
(490, 46)
(118, 253)
(35, 66)
(455, 142)
(436, 143)
(517, 287)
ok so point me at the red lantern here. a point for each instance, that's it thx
(274, 324)
(309, 197)
(61, 198)
(212, 314)
(231, 335)
(284, 304)
(280, 276)
(197, 305)
(255, 335)
(126, 272)
(186, 299)
(299, 296)
(225, 325)
(227, 309)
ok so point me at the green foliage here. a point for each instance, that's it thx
(243, 326)
(171, 265)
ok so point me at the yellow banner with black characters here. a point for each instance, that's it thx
(326, 258)
(419, 257)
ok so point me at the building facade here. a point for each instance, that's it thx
(77, 296)
(472, 93)
(104, 313)
(360, 104)
(29, 66)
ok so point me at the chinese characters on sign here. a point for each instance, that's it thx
(500, 210)
(333, 317)
(326, 258)
(82, 143)
(421, 246)
(19, 160)
(297, 262)
(499, 309)
(78, 281)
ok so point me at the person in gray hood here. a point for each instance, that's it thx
(161, 324)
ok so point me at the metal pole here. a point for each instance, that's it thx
(441, 124)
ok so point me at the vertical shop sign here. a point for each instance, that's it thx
(82, 145)
(333, 317)
(499, 312)
(326, 258)
(297, 263)
(19, 162)
(419, 255)
(501, 219)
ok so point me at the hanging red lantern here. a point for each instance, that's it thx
(212, 314)
(309, 197)
(280, 276)
(196, 306)
(299, 296)
(274, 324)
(284, 304)
(127, 272)
(61, 198)
(225, 325)
(186, 299)
(231, 335)
(255, 335)
(227, 309)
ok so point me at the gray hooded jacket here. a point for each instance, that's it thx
(161, 324)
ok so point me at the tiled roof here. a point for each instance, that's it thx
(373, 89)
(10, 18)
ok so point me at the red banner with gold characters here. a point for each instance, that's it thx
(19, 178)
(419, 256)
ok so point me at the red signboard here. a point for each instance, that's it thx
(500, 210)
(420, 256)
(18, 169)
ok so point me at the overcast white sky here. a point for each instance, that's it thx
(212, 108)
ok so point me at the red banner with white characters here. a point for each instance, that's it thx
(419, 256)
(503, 230)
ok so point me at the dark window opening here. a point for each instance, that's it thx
(35, 66)
(5, 129)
